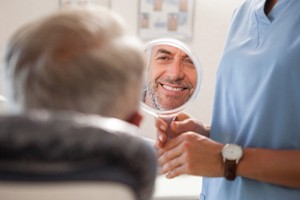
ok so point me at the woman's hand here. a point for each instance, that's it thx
(190, 153)
(181, 123)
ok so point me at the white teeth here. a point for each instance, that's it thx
(172, 88)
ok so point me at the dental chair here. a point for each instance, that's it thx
(68, 156)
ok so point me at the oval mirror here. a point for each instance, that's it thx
(173, 77)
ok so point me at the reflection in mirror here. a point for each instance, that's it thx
(173, 76)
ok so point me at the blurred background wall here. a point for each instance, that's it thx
(210, 26)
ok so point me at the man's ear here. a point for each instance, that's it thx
(136, 118)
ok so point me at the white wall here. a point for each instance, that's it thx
(212, 18)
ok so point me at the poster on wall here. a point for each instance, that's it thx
(166, 18)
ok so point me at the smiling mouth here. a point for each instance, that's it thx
(174, 89)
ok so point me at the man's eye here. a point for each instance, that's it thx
(187, 61)
(166, 58)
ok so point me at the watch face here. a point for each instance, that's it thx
(232, 152)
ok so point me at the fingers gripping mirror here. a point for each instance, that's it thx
(173, 78)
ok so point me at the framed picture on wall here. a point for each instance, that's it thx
(166, 18)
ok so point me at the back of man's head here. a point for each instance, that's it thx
(75, 60)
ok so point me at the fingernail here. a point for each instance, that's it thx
(160, 138)
(169, 175)
(163, 128)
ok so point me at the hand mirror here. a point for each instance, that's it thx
(173, 77)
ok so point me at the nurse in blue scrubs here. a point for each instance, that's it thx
(251, 151)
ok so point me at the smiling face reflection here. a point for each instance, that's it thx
(172, 78)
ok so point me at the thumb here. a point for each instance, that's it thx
(183, 123)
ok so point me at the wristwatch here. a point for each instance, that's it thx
(231, 154)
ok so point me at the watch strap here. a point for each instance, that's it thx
(230, 169)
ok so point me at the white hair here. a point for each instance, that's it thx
(75, 60)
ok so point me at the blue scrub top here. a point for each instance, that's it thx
(257, 101)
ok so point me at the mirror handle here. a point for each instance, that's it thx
(168, 119)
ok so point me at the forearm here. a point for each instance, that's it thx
(281, 167)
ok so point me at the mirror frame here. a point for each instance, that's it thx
(181, 45)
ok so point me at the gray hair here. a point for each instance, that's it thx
(77, 60)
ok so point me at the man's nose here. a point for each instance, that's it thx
(176, 70)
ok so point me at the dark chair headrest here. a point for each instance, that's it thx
(43, 146)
